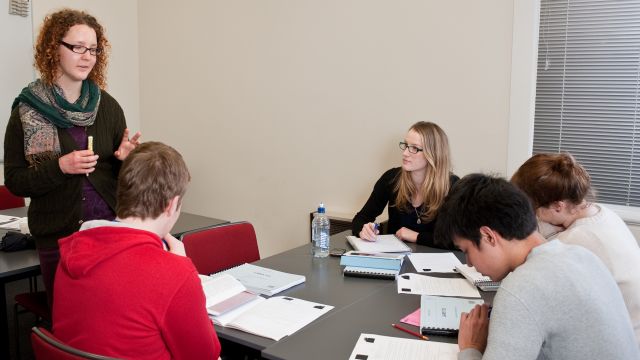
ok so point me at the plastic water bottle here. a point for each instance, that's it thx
(320, 233)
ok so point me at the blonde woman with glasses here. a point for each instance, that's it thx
(415, 191)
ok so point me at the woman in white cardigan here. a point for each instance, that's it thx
(560, 191)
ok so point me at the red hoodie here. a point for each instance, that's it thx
(118, 293)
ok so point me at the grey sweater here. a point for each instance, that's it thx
(562, 303)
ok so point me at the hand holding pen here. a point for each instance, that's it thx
(369, 231)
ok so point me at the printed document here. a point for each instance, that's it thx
(378, 347)
(276, 317)
(434, 262)
(428, 285)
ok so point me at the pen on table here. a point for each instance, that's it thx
(89, 145)
(410, 332)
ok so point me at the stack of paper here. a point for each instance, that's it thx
(383, 244)
(372, 260)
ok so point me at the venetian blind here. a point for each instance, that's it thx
(587, 91)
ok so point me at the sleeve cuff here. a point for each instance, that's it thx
(469, 354)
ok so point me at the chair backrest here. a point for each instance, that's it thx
(8, 200)
(46, 346)
(221, 247)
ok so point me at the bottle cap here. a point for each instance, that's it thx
(321, 208)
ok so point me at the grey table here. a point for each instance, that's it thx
(25, 264)
(361, 305)
(13, 266)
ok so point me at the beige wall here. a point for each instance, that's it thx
(277, 105)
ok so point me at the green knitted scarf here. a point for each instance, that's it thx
(43, 109)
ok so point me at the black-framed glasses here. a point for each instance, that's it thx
(79, 49)
(412, 148)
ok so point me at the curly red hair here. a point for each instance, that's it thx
(54, 28)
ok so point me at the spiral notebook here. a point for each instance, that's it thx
(481, 281)
(356, 271)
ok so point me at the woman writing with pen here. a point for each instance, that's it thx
(415, 191)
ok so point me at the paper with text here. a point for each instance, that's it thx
(383, 244)
(278, 317)
(378, 347)
(435, 262)
(428, 285)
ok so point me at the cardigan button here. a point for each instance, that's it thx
(80, 222)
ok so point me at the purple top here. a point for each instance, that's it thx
(93, 205)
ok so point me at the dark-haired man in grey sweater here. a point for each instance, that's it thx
(556, 301)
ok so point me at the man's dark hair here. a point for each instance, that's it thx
(481, 200)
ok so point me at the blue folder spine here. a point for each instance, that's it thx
(371, 262)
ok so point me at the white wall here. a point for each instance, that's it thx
(277, 105)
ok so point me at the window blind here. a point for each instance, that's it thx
(587, 91)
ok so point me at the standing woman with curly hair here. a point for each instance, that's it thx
(415, 191)
(47, 152)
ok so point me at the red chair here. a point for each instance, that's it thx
(48, 347)
(8, 200)
(221, 247)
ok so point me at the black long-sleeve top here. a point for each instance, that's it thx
(383, 194)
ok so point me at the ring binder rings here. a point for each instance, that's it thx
(476, 278)
(356, 271)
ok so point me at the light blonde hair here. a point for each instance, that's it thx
(436, 184)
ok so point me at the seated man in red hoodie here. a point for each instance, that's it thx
(118, 290)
